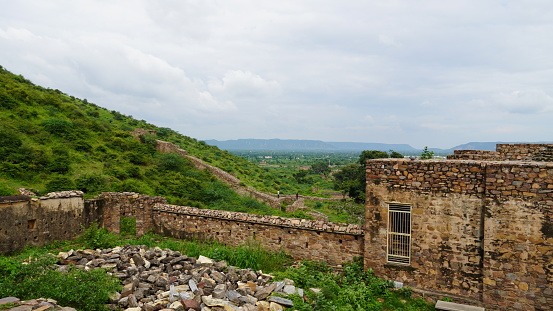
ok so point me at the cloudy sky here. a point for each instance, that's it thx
(427, 72)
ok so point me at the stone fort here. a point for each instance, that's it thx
(477, 227)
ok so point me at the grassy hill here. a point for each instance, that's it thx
(50, 141)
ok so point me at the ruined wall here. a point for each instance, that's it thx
(306, 239)
(526, 152)
(131, 205)
(481, 230)
(30, 221)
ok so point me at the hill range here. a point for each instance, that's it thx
(318, 145)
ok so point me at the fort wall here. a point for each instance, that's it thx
(333, 243)
(482, 231)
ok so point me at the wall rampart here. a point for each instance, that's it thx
(307, 239)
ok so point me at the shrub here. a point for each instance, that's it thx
(58, 127)
(91, 183)
(83, 290)
(60, 183)
(95, 237)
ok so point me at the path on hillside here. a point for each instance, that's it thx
(236, 184)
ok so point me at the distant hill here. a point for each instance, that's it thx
(303, 145)
(490, 146)
(318, 145)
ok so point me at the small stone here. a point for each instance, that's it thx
(282, 301)
(177, 306)
(213, 302)
(191, 304)
(275, 307)
(264, 292)
(205, 261)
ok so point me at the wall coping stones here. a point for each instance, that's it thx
(304, 224)
(63, 194)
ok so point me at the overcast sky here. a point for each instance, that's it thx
(427, 73)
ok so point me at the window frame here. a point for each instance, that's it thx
(399, 233)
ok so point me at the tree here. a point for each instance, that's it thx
(350, 180)
(371, 154)
(426, 154)
(395, 155)
(320, 167)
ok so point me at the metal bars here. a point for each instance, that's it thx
(399, 233)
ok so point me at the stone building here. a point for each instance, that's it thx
(477, 227)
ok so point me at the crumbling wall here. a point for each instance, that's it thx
(32, 221)
(333, 243)
(131, 205)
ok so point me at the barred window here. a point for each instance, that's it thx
(399, 233)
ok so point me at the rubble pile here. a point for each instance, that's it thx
(156, 279)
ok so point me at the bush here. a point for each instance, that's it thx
(95, 237)
(77, 288)
(91, 183)
(6, 191)
(58, 127)
(60, 183)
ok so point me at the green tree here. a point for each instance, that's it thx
(395, 155)
(426, 154)
(320, 167)
(371, 154)
(350, 180)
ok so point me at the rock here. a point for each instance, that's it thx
(213, 302)
(191, 304)
(289, 289)
(282, 301)
(177, 306)
(9, 300)
(205, 261)
(219, 291)
(265, 291)
(275, 307)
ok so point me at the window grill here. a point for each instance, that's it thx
(399, 233)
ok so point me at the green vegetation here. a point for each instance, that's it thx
(30, 274)
(50, 141)
(77, 288)
(426, 154)
(351, 289)
(351, 178)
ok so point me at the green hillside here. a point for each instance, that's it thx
(50, 141)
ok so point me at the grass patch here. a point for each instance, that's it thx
(349, 290)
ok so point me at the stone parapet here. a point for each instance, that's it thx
(299, 238)
(451, 176)
(475, 155)
(526, 152)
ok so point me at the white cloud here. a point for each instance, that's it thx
(448, 72)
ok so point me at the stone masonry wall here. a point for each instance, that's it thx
(306, 239)
(32, 221)
(446, 218)
(518, 241)
(481, 230)
(526, 152)
(131, 205)
(475, 155)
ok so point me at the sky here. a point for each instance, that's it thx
(421, 72)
